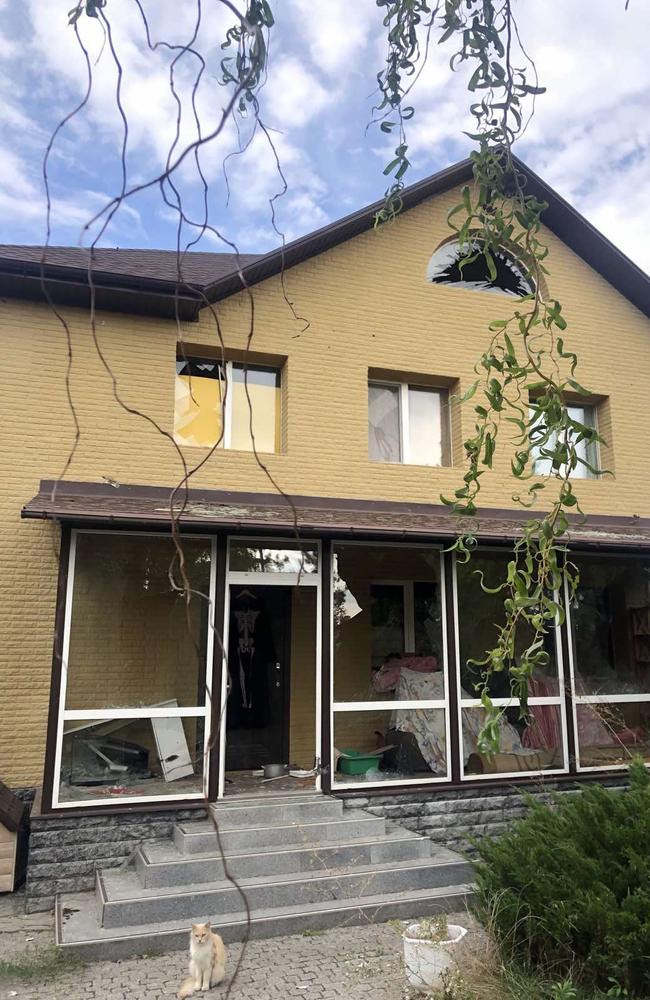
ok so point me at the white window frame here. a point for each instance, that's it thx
(405, 420)
(595, 699)
(581, 471)
(265, 578)
(227, 367)
(391, 705)
(463, 703)
(113, 714)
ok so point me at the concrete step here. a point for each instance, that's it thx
(242, 813)
(194, 838)
(160, 864)
(78, 929)
(124, 902)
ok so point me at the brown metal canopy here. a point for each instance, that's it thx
(100, 504)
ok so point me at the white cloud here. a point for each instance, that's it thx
(293, 96)
(336, 32)
(589, 138)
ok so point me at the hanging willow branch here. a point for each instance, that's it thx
(526, 374)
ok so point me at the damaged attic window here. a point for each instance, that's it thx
(444, 269)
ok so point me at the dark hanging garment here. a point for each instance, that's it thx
(250, 651)
(258, 663)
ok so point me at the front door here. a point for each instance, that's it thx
(259, 643)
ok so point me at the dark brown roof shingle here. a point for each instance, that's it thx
(197, 268)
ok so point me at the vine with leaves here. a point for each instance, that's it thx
(526, 375)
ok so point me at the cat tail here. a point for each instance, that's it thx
(186, 990)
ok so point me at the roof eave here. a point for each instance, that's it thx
(69, 286)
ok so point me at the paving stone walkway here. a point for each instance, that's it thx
(352, 963)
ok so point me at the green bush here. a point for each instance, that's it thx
(566, 891)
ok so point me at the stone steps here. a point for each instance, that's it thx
(303, 863)
(77, 921)
(200, 837)
(157, 865)
(123, 901)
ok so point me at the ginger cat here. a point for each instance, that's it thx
(208, 956)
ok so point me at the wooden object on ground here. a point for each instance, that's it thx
(13, 840)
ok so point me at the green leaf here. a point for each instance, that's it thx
(579, 388)
(488, 453)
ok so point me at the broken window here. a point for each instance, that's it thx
(610, 654)
(205, 414)
(389, 664)
(445, 269)
(136, 668)
(408, 424)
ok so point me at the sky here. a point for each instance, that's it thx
(589, 137)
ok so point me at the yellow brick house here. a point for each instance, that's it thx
(320, 566)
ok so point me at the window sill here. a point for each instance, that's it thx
(193, 449)
(373, 463)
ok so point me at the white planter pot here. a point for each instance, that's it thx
(425, 961)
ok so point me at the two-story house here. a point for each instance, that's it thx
(297, 413)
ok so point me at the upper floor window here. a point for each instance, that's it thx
(510, 277)
(408, 424)
(205, 414)
(544, 445)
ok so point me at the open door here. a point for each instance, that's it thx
(259, 655)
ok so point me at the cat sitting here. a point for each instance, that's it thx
(208, 956)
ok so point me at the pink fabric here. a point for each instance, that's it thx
(422, 664)
(387, 677)
(592, 731)
(543, 731)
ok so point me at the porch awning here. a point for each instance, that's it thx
(103, 504)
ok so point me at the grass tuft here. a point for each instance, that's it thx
(40, 963)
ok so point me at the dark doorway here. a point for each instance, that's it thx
(259, 650)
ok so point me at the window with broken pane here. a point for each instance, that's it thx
(227, 404)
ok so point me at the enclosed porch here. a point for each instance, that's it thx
(346, 653)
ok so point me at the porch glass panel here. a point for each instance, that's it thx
(103, 760)
(265, 557)
(611, 734)
(609, 621)
(611, 626)
(480, 614)
(388, 613)
(134, 641)
(530, 744)
(401, 744)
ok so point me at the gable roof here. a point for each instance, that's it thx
(144, 281)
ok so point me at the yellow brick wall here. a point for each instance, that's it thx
(368, 305)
